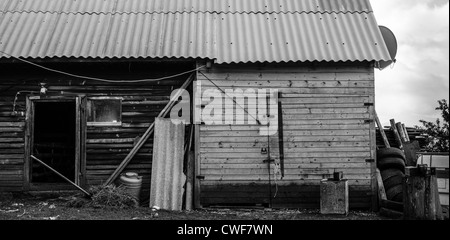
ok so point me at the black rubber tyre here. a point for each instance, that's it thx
(393, 181)
(398, 197)
(393, 192)
(390, 152)
(391, 162)
(387, 173)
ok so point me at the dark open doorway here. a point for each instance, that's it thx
(54, 141)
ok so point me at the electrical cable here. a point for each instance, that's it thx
(268, 138)
(259, 123)
(101, 79)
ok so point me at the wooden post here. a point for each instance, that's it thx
(373, 154)
(383, 134)
(420, 194)
(190, 180)
(83, 138)
(280, 134)
(29, 125)
(197, 203)
(396, 134)
(406, 133)
(401, 132)
(77, 140)
(189, 155)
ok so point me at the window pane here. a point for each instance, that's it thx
(104, 110)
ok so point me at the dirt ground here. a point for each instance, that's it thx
(54, 207)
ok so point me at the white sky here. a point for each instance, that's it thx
(409, 91)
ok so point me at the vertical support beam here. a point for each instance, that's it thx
(189, 161)
(196, 104)
(190, 180)
(280, 134)
(197, 173)
(77, 140)
(29, 120)
(83, 137)
(373, 154)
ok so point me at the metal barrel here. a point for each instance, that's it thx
(132, 183)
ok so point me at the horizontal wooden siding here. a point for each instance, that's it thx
(106, 147)
(325, 115)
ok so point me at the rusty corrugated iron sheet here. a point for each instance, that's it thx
(167, 180)
(226, 30)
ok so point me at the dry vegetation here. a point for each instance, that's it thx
(104, 196)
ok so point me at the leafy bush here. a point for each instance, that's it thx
(437, 133)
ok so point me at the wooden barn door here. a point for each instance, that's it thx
(54, 135)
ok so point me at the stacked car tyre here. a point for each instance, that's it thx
(391, 162)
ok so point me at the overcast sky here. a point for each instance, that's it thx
(409, 91)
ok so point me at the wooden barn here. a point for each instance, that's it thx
(82, 80)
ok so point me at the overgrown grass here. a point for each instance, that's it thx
(105, 196)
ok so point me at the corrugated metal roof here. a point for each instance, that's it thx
(172, 6)
(166, 187)
(107, 35)
(225, 30)
(299, 37)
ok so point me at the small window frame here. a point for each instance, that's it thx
(103, 124)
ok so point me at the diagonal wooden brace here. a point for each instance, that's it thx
(383, 134)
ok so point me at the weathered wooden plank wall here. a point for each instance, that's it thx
(106, 147)
(325, 130)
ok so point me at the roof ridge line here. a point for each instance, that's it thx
(194, 12)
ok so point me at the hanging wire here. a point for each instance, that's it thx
(101, 79)
(275, 170)
(268, 136)
(393, 64)
(259, 123)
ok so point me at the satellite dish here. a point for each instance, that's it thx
(391, 43)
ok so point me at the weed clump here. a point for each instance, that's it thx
(105, 196)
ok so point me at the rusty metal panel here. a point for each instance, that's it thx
(167, 180)
(226, 30)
